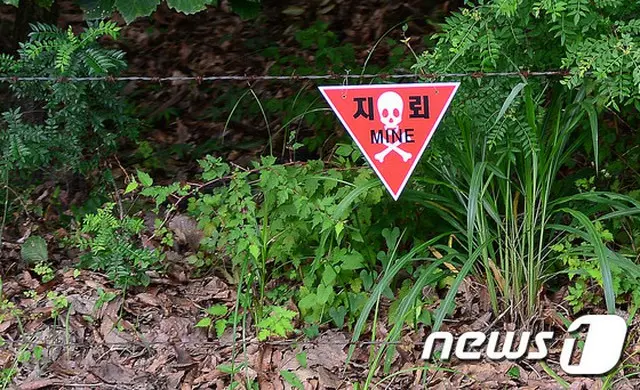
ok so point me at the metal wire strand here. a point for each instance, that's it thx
(199, 79)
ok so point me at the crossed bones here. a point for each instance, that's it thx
(395, 147)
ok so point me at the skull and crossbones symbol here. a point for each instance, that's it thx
(390, 107)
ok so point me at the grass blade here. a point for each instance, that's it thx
(593, 121)
(509, 100)
(475, 187)
(382, 284)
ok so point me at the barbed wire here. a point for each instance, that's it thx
(348, 76)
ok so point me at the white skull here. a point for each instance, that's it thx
(390, 106)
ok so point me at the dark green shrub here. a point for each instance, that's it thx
(63, 126)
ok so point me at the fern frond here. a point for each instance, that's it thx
(7, 63)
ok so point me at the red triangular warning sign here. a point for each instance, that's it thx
(391, 123)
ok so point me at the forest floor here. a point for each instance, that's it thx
(77, 332)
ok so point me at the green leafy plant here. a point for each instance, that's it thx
(112, 245)
(67, 127)
(45, 272)
(8, 309)
(292, 379)
(586, 277)
(58, 302)
(295, 223)
(215, 316)
(34, 250)
(25, 354)
(104, 297)
(278, 323)
(310, 226)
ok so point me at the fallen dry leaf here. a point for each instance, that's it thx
(328, 351)
(186, 231)
(114, 374)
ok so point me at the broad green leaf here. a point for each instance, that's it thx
(217, 310)
(302, 359)
(204, 323)
(337, 315)
(145, 179)
(34, 250)
(292, 379)
(344, 150)
(188, 6)
(352, 261)
(220, 326)
(514, 372)
(328, 275)
(391, 237)
(131, 9)
(323, 294)
(131, 187)
(255, 251)
(308, 301)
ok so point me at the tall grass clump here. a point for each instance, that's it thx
(511, 209)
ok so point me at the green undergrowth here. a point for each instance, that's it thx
(317, 235)
(322, 229)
